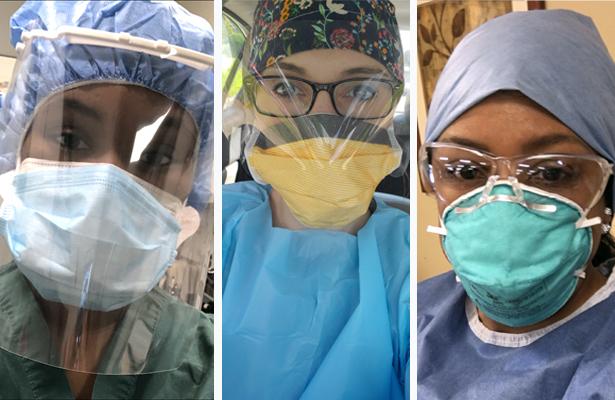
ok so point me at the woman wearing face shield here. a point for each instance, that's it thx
(105, 142)
(519, 155)
(315, 271)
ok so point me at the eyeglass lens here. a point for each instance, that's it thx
(456, 171)
(353, 98)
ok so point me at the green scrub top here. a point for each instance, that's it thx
(21, 378)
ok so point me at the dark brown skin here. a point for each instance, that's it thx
(509, 124)
(99, 123)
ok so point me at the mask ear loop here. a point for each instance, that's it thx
(583, 223)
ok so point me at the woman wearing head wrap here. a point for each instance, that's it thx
(104, 142)
(315, 272)
(519, 154)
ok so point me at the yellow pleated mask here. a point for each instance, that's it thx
(326, 182)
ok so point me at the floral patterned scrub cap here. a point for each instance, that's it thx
(285, 27)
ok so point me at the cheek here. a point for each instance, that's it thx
(441, 206)
(262, 122)
(385, 122)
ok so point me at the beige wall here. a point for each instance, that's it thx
(431, 260)
(6, 69)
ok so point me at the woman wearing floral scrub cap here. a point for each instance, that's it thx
(315, 271)
(519, 154)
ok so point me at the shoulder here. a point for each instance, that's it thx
(440, 297)
(189, 336)
(385, 212)
(437, 283)
(241, 197)
(182, 312)
(196, 371)
(391, 229)
(434, 291)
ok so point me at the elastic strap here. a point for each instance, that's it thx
(438, 230)
(586, 223)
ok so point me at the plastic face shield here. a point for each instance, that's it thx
(325, 121)
(145, 145)
(333, 138)
(451, 171)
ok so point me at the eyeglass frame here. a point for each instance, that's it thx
(250, 81)
(427, 175)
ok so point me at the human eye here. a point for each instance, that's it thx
(70, 140)
(362, 93)
(464, 171)
(286, 89)
(159, 157)
(552, 173)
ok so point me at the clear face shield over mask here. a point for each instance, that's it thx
(321, 82)
(520, 242)
(323, 145)
(96, 207)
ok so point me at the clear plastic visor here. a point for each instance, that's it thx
(329, 121)
(96, 206)
(131, 127)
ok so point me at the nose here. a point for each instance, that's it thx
(111, 157)
(504, 168)
(323, 104)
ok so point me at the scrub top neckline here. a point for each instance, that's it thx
(514, 340)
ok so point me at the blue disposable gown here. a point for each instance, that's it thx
(312, 314)
(574, 361)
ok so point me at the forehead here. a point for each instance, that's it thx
(109, 98)
(510, 124)
(121, 106)
(326, 65)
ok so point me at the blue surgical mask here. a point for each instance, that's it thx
(518, 251)
(89, 236)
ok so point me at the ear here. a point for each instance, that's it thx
(189, 220)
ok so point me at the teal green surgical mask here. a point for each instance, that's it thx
(518, 251)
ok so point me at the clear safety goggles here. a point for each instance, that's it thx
(451, 171)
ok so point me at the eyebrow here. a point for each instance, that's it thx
(291, 67)
(465, 142)
(537, 145)
(351, 71)
(364, 70)
(82, 108)
(552, 139)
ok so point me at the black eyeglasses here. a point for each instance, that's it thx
(358, 98)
